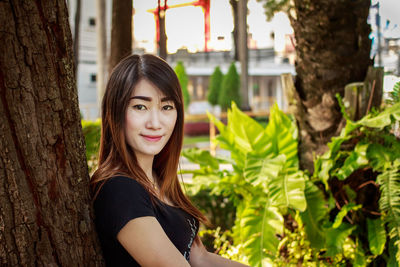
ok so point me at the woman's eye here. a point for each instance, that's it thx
(168, 107)
(139, 107)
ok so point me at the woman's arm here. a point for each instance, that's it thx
(147, 243)
(200, 257)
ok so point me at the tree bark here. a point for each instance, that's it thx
(121, 32)
(243, 54)
(76, 34)
(101, 41)
(45, 211)
(332, 47)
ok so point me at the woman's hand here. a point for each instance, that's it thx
(200, 257)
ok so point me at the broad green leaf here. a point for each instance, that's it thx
(260, 227)
(248, 134)
(314, 216)
(201, 157)
(260, 171)
(376, 235)
(204, 181)
(345, 209)
(287, 190)
(282, 132)
(335, 238)
(379, 156)
(383, 119)
(356, 160)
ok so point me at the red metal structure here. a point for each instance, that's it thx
(204, 4)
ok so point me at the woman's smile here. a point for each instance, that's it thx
(152, 138)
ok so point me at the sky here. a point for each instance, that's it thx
(185, 25)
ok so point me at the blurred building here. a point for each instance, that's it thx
(271, 50)
(265, 68)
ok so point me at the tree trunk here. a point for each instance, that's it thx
(45, 210)
(76, 34)
(332, 50)
(162, 38)
(235, 34)
(101, 41)
(243, 54)
(121, 31)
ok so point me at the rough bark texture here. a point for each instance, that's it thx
(332, 50)
(76, 34)
(121, 31)
(45, 214)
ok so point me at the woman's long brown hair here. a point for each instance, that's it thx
(115, 156)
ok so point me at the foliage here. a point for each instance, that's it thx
(230, 88)
(265, 182)
(92, 131)
(215, 86)
(273, 6)
(183, 80)
(339, 216)
(394, 95)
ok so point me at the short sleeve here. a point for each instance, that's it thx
(120, 200)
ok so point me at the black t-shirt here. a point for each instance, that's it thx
(122, 199)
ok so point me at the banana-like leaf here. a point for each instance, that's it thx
(259, 228)
(282, 133)
(389, 202)
(313, 217)
(345, 209)
(248, 134)
(259, 171)
(335, 238)
(376, 235)
(287, 189)
(357, 159)
(226, 140)
(201, 157)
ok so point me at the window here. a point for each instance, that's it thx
(93, 78)
(92, 22)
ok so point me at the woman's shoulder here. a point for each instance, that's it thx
(123, 185)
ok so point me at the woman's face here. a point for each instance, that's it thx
(149, 120)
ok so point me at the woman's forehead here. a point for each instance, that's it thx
(147, 88)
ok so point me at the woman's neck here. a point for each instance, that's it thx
(146, 163)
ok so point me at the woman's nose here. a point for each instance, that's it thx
(154, 121)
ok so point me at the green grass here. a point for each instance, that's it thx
(189, 140)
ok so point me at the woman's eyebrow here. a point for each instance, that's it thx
(146, 98)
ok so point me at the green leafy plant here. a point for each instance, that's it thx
(92, 131)
(230, 88)
(394, 95)
(265, 182)
(183, 80)
(346, 213)
(214, 87)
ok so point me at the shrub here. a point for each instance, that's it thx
(215, 86)
(230, 88)
(183, 80)
(92, 131)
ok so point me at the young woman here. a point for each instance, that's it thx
(142, 216)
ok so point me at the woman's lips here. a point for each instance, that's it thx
(152, 138)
